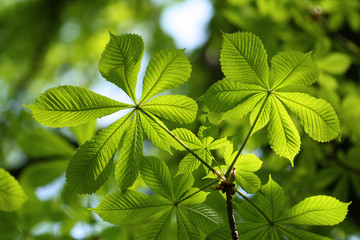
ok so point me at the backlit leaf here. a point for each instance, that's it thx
(68, 106)
(167, 69)
(92, 163)
(11, 194)
(120, 61)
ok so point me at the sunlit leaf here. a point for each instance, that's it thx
(167, 69)
(68, 106)
(176, 108)
(92, 163)
(11, 194)
(120, 61)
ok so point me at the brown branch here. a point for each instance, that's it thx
(230, 210)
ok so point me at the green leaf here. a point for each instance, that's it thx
(155, 133)
(264, 115)
(248, 162)
(187, 137)
(11, 194)
(227, 94)
(243, 108)
(223, 233)
(251, 231)
(273, 199)
(157, 230)
(68, 106)
(185, 229)
(84, 132)
(194, 196)
(243, 58)
(335, 63)
(190, 163)
(131, 150)
(157, 176)
(131, 206)
(176, 108)
(316, 115)
(296, 234)
(248, 181)
(167, 69)
(203, 217)
(218, 143)
(282, 134)
(92, 163)
(293, 68)
(120, 61)
(316, 210)
(182, 184)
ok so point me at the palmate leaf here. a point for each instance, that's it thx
(182, 184)
(131, 150)
(92, 163)
(316, 210)
(67, 106)
(157, 176)
(187, 137)
(12, 195)
(131, 206)
(120, 61)
(157, 230)
(243, 58)
(167, 69)
(246, 90)
(176, 108)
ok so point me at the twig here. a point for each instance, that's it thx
(230, 211)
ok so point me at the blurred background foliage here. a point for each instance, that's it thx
(46, 43)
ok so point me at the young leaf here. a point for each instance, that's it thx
(189, 163)
(248, 181)
(194, 196)
(283, 136)
(167, 69)
(155, 133)
(130, 206)
(227, 94)
(185, 229)
(243, 58)
(219, 143)
(120, 61)
(157, 230)
(316, 115)
(248, 162)
(316, 210)
(176, 108)
(202, 216)
(157, 176)
(12, 195)
(131, 148)
(91, 165)
(293, 68)
(68, 106)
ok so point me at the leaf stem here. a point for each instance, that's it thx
(231, 216)
(247, 136)
(178, 140)
(208, 185)
(254, 205)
